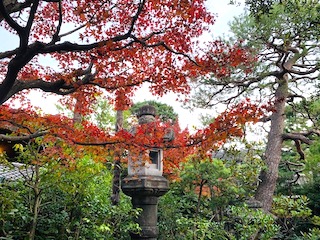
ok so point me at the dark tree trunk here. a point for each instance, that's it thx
(14, 6)
(115, 197)
(269, 176)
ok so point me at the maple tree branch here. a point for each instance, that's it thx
(96, 143)
(14, 126)
(74, 47)
(136, 16)
(24, 33)
(8, 54)
(8, 19)
(58, 87)
(77, 28)
(72, 31)
(162, 44)
(15, 139)
(105, 143)
(118, 86)
(68, 46)
(12, 6)
(56, 36)
(32, 13)
(15, 65)
(11, 85)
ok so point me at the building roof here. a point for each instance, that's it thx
(14, 172)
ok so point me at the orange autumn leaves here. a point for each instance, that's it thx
(115, 47)
(137, 41)
(60, 134)
(128, 43)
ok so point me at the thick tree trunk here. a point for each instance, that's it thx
(269, 176)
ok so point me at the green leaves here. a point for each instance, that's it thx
(209, 198)
(286, 19)
(313, 234)
(291, 207)
(75, 201)
(252, 222)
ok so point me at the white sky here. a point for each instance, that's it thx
(225, 14)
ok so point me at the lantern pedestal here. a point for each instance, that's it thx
(145, 192)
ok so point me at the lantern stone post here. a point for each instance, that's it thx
(145, 184)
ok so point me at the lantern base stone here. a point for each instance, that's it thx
(145, 192)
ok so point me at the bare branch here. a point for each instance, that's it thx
(55, 36)
(291, 97)
(313, 70)
(296, 136)
(8, 54)
(265, 119)
(299, 149)
(162, 44)
(5, 15)
(296, 171)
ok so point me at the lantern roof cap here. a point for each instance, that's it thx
(146, 110)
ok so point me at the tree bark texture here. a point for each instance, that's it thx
(269, 176)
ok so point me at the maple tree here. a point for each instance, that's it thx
(115, 46)
(111, 48)
(61, 131)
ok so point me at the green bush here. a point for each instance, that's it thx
(75, 204)
(219, 212)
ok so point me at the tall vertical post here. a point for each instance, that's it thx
(145, 184)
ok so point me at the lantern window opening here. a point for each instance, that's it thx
(155, 157)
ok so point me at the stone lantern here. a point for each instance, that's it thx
(145, 183)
